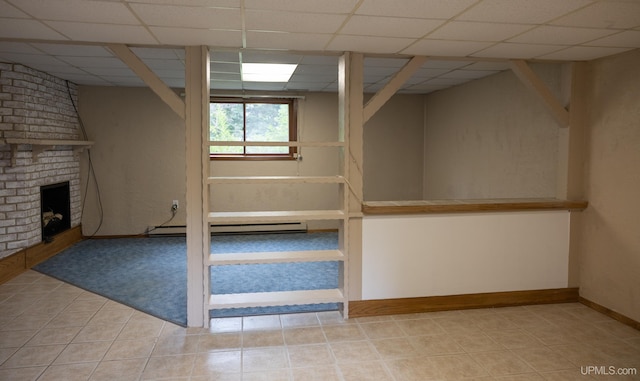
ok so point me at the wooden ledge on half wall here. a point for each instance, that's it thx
(469, 206)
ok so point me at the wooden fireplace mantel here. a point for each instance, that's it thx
(40, 145)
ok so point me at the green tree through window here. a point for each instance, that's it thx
(252, 120)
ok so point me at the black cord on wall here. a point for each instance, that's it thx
(91, 173)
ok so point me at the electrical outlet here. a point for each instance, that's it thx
(174, 205)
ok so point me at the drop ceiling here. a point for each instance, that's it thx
(465, 39)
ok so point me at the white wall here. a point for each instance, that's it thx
(610, 240)
(491, 138)
(452, 254)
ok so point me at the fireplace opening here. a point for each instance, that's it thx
(55, 206)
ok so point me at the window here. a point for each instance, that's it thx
(252, 120)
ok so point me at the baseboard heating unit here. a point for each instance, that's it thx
(181, 230)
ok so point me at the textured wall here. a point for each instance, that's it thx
(34, 105)
(610, 239)
(491, 138)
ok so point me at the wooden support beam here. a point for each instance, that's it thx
(392, 87)
(150, 78)
(533, 82)
(197, 170)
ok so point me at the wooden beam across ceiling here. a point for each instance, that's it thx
(529, 78)
(150, 78)
(382, 96)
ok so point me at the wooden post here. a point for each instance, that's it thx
(350, 97)
(197, 167)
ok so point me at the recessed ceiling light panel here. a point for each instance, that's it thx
(267, 72)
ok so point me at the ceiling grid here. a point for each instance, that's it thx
(464, 39)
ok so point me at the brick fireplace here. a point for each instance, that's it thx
(35, 108)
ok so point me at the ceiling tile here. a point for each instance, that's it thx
(129, 34)
(627, 39)
(324, 6)
(317, 70)
(167, 64)
(427, 87)
(157, 53)
(124, 81)
(314, 78)
(111, 71)
(445, 48)
(79, 11)
(225, 85)
(385, 62)
(169, 73)
(9, 11)
(74, 50)
(31, 60)
(191, 3)
(62, 71)
(513, 50)
(18, 47)
(374, 78)
(90, 62)
(559, 35)
(224, 56)
(468, 74)
(428, 9)
(582, 53)
(27, 29)
(225, 67)
(292, 22)
(478, 31)
(488, 65)
(320, 60)
(267, 86)
(189, 17)
(521, 11)
(604, 14)
(86, 79)
(290, 41)
(379, 70)
(307, 86)
(369, 44)
(444, 64)
(226, 76)
(270, 57)
(423, 73)
(177, 36)
(389, 26)
(174, 82)
(446, 81)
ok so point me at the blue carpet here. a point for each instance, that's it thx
(150, 274)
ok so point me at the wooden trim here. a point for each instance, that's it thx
(12, 266)
(468, 206)
(364, 308)
(394, 84)
(43, 251)
(529, 78)
(612, 314)
(150, 78)
(23, 260)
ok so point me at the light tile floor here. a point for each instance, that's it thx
(50, 330)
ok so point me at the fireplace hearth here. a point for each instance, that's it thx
(55, 206)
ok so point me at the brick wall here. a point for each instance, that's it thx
(34, 105)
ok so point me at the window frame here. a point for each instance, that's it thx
(293, 129)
